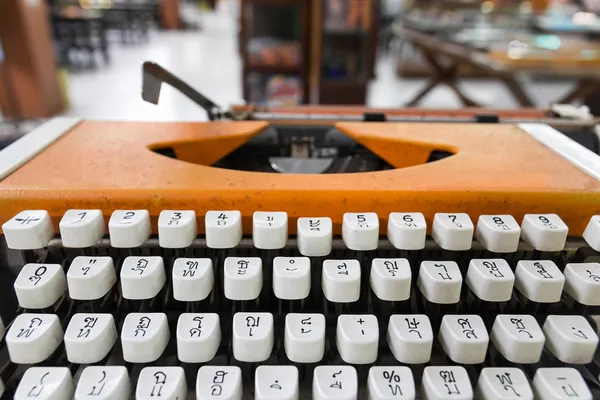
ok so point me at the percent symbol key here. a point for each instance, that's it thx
(391, 383)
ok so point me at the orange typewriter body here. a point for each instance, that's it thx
(494, 169)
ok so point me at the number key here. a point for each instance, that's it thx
(387, 383)
(176, 229)
(452, 231)
(40, 285)
(407, 231)
(360, 231)
(545, 232)
(223, 229)
(498, 233)
(129, 228)
(82, 228)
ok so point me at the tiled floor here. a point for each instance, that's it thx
(209, 61)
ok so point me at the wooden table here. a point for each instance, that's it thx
(445, 58)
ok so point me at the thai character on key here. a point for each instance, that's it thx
(413, 326)
(35, 322)
(518, 323)
(161, 377)
(447, 376)
(252, 322)
(140, 331)
(390, 264)
(195, 331)
(35, 279)
(470, 334)
(593, 276)
(219, 377)
(90, 322)
(541, 270)
(144, 323)
(464, 323)
(84, 333)
(215, 390)
(199, 321)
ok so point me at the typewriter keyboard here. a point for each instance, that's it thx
(495, 310)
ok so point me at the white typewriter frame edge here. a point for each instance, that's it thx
(24, 149)
(581, 157)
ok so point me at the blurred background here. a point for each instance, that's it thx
(83, 58)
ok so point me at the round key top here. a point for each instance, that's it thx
(333, 382)
(221, 382)
(144, 337)
(440, 281)
(357, 338)
(161, 382)
(142, 277)
(491, 280)
(560, 384)
(464, 338)
(176, 229)
(570, 338)
(518, 338)
(32, 338)
(198, 337)
(103, 383)
(40, 285)
(45, 383)
(90, 278)
(582, 282)
(452, 231)
(503, 384)
(341, 280)
(498, 233)
(360, 231)
(276, 382)
(82, 228)
(545, 232)
(89, 337)
(315, 236)
(391, 383)
(28, 230)
(129, 228)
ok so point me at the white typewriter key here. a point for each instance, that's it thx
(223, 383)
(315, 236)
(40, 285)
(582, 283)
(544, 232)
(360, 231)
(464, 338)
(28, 230)
(570, 338)
(560, 384)
(144, 337)
(407, 231)
(129, 228)
(357, 338)
(89, 337)
(440, 281)
(1, 388)
(163, 382)
(390, 278)
(243, 278)
(198, 337)
(142, 277)
(445, 383)
(223, 229)
(304, 339)
(498, 233)
(91, 278)
(193, 278)
(291, 277)
(82, 228)
(341, 280)
(592, 233)
(518, 338)
(391, 383)
(252, 336)
(333, 382)
(103, 383)
(491, 280)
(539, 281)
(410, 338)
(176, 229)
(276, 382)
(452, 231)
(45, 383)
(2, 328)
(32, 338)
(503, 384)
(269, 230)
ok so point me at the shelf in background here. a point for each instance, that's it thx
(273, 69)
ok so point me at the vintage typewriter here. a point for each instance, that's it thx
(325, 253)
